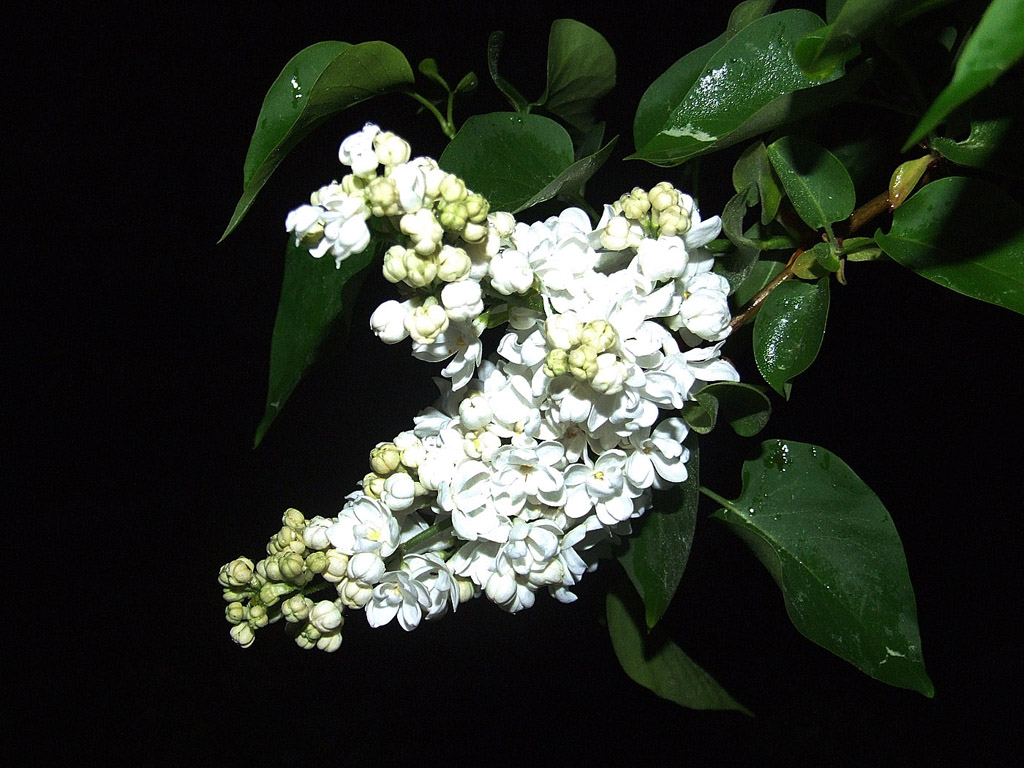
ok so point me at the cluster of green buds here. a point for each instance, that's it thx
(393, 478)
(660, 211)
(276, 587)
(586, 351)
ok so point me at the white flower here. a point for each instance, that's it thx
(467, 496)
(358, 153)
(523, 473)
(600, 487)
(705, 310)
(462, 300)
(510, 272)
(388, 321)
(458, 338)
(662, 259)
(397, 594)
(399, 492)
(659, 458)
(365, 525)
(345, 230)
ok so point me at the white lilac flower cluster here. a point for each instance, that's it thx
(531, 459)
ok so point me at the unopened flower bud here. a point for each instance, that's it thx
(330, 642)
(423, 229)
(316, 562)
(583, 362)
(326, 616)
(388, 322)
(337, 566)
(563, 331)
(243, 634)
(291, 565)
(258, 616)
(293, 519)
(662, 196)
(399, 492)
(454, 216)
(394, 264)
(354, 594)
(235, 612)
(270, 594)
(390, 149)
(453, 264)
(635, 205)
(474, 233)
(426, 322)
(600, 335)
(296, 608)
(420, 268)
(452, 188)
(237, 573)
(556, 363)
(382, 197)
(477, 208)
(385, 458)
(373, 484)
(610, 374)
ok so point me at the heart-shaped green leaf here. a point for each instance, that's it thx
(318, 82)
(788, 331)
(818, 185)
(581, 69)
(316, 301)
(995, 46)
(964, 234)
(510, 158)
(832, 548)
(655, 557)
(725, 91)
(657, 663)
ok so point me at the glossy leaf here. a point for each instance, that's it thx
(317, 83)
(581, 69)
(571, 180)
(721, 94)
(759, 276)
(832, 548)
(316, 302)
(746, 12)
(657, 663)
(823, 50)
(788, 331)
(964, 234)
(818, 185)
(745, 407)
(995, 46)
(511, 159)
(655, 556)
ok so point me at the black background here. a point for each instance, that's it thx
(139, 352)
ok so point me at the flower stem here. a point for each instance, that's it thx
(446, 125)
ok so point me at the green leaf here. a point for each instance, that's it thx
(510, 92)
(316, 301)
(995, 46)
(832, 548)
(657, 663)
(823, 50)
(655, 556)
(721, 94)
(964, 234)
(581, 69)
(746, 12)
(754, 167)
(759, 276)
(818, 185)
(744, 406)
(316, 84)
(511, 159)
(788, 331)
(571, 180)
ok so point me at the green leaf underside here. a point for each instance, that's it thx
(509, 158)
(789, 329)
(581, 69)
(314, 85)
(818, 185)
(745, 407)
(996, 45)
(725, 91)
(657, 663)
(832, 548)
(964, 234)
(656, 556)
(316, 298)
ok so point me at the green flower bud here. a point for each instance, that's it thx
(237, 573)
(385, 458)
(583, 362)
(452, 188)
(600, 335)
(294, 520)
(477, 208)
(420, 269)
(662, 196)
(454, 216)
(258, 616)
(635, 205)
(243, 635)
(296, 608)
(556, 362)
(291, 565)
(270, 594)
(236, 613)
(316, 562)
(394, 264)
